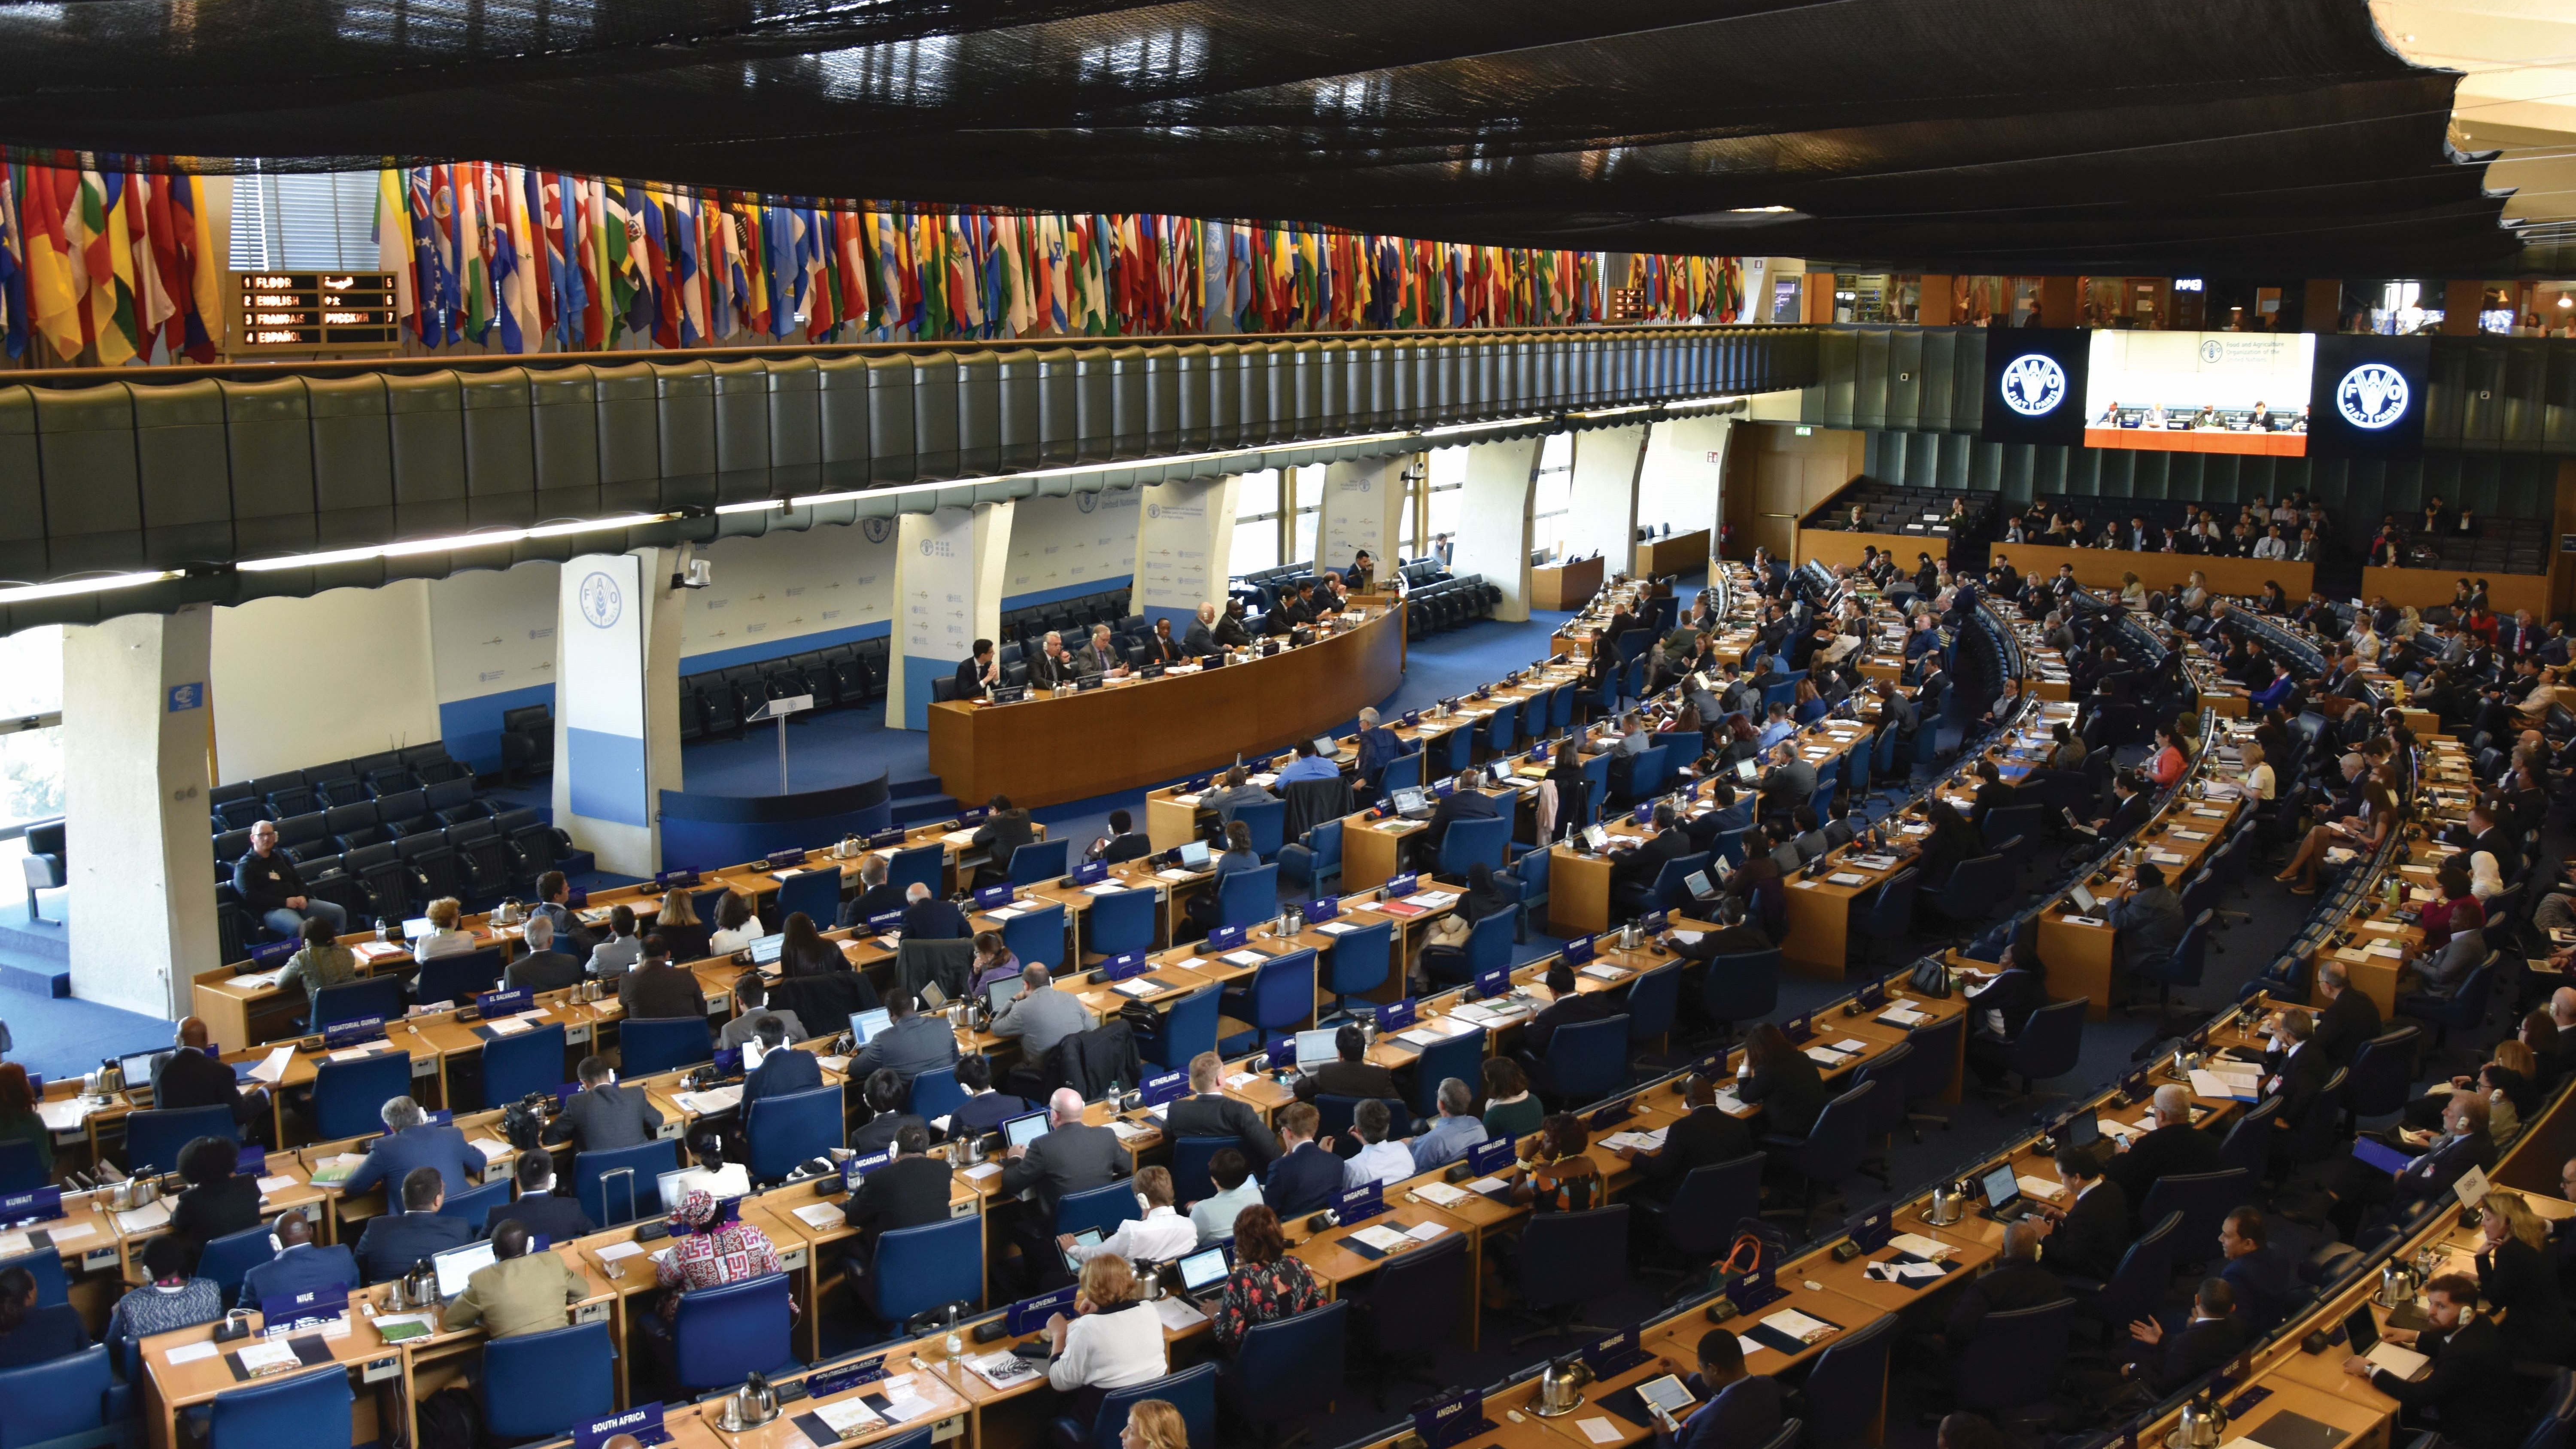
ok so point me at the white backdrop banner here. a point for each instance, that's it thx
(601, 697)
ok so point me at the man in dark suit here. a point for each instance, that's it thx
(1051, 665)
(909, 1192)
(1200, 641)
(1704, 1137)
(395, 1241)
(1209, 1112)
(876, 896)
(2296, 1073)
(927, 918)
(984, 1109)
(1307, 1174)
(2359, 1189)
(2132, 810)
(2088, 1235)
(1788, 784)
(541, 967)
(555, 1219)
(1466, 802)
(1004, 831)
(301, 1265)
(783, 1068)
(1071, 1157)
(2349, 1018)
(657, 990)
(975, 673)
(410, 1142)
(2173, 1146)
(1350, 1074)
(1571, 1007)
(1992, 794)
(2017, 1281)
(2483, 833)
(2168, 1359)
(1633, 872)
(604, 1114)
(188, 1077)
(1125, 842)
(2267, 1287)
(1736, 1408)
(2471, 1386)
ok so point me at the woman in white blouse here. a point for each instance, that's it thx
(2365, 641)
(736, 926)
(2259, 781)
(2485, 880)
(1114, 1340)
(444, 938)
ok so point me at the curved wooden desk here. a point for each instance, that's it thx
(1123, 736)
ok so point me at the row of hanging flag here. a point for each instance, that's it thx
(100, 260)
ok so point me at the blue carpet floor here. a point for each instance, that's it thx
(64, 1037)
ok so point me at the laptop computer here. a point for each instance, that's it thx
(1748, 771)
(865, 1024)
(1327, 747)
(416, 927)
(2084, 899)
(1408, 803)
(765, 950)
(932, 998)
(2004, 1201)
(1203, 1273)
(1087, 1238)
(1003, 993)
(1194, 855)
(1315, 1048)
(2363, 1330)
(458, 1264)
(1021, 1131)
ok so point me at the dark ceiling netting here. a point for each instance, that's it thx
(1976, 135)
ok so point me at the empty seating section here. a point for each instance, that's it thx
(1915, 512)
(841, 676)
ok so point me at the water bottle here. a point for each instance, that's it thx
(384, 932)
(955, 1345)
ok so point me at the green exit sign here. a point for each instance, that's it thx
(1806, 432)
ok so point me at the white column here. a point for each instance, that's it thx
(935, 573)
(993, 525)
(136, 716)
(1603, 498)
(1685, 469)
(1494, 520)
(1363, 509)
(1184, 548)
(617, 704)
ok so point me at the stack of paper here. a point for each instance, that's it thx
(707, 1104)
(66, 1114)
(1178, 1314)
(1797, 1325)
(1003, 1370)
(823, 1215)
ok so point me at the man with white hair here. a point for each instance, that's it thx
(927, 918)
(2172, 1145)
(1378, 746)
(1051, 666)
(411, 1141)
(1071, 1156)
(1200, 641)
(542, 967)
(2349, 1019)
(1100, 657)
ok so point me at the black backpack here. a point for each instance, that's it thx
(450, 1419)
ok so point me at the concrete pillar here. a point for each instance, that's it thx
(617, 704)
(1494, 520)
(1603, 495)
(1684, 473)
(935, 617)
(1184, 544)
(1363, 509)
(136, 718)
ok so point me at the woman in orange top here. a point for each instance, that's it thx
(2168, 764)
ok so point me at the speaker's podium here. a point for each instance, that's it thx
(780, 710)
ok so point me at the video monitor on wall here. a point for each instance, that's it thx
(2035, 386)
(2200, 392)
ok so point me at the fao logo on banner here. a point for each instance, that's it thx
(2373, 395)
(876, 530)
(601, 602)
(2212, 350)
(1086, 502)
(1153, 510)
(2034, 384)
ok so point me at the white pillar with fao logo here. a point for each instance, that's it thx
(617, 726)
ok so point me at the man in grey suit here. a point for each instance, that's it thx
(411, 1142)
(1100, 656)
(1050, 666)
(1789, 783)
(1200, 641)
(603, 1114)
(1072, 1157)
(1040, 1016)
(542, 968)
(910, 1045)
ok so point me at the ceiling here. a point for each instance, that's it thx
(2199, 136)
(2517, 99)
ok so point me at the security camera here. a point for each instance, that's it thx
(695, 572)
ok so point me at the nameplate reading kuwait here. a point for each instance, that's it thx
(301, 311)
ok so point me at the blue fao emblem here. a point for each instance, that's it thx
(876, 530)
(2034, 384)
(601, 602)
(1086, 502)
(2373, 395)
(2212, 350)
